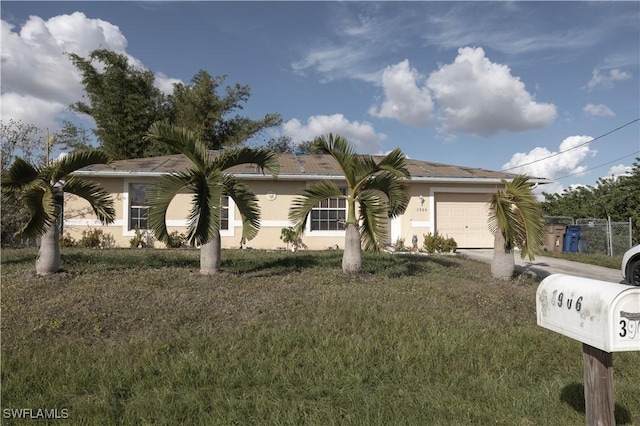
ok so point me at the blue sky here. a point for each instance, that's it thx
(493, 85)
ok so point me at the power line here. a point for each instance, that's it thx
(577, 146)
(598, 166)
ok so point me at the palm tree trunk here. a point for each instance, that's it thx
(210, 258)
(48, 260)
(503, 262)
(352, 256)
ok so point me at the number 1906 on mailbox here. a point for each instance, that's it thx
(601, 314)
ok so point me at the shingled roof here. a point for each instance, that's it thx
(295, 166)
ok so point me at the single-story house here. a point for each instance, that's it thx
(451, 200)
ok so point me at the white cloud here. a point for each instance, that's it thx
(607, 81)
(598, 110)
(31, 110)
(335, 62)
(362, 136)
(39, 81)
(619, 170)
(480, 97)
(540, 162)
(164, 83)
(459, 25)
(404, 100)
(356, 43)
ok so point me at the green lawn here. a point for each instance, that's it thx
(139, 337)
(612, 262)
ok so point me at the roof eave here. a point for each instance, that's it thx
(253, 176)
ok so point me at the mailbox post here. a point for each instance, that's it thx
(605, 317)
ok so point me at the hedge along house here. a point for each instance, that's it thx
(451, 200)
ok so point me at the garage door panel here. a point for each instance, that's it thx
(463, 216)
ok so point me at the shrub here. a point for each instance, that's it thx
(288, 236)
(68, 241)
(176, 240)
(141, 240)
(399, 245)
(437, 243)
(450, 245)
(107, 241)
(96, 238)
(90, 238)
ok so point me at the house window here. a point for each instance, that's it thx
(224, 214)
(329, 215)
(139, 197)
(138, 205)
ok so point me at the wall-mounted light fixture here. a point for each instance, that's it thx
(421, 198)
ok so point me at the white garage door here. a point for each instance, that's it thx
(463, 216)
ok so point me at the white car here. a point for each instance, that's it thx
(631, 265)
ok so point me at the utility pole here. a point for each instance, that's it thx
(48, 148)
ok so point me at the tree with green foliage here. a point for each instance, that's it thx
(285, 145)
(575, 202)
(616, 198)
(208, 182)
(41, 190)
(377, 189)
(516, 220)
(123, 102)
(34, 146)
(280, 145)
(199, 108)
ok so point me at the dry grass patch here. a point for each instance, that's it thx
(140, 337)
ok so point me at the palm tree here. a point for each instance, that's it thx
(378, 189)
(516, 220)
(41, 190)
(208, 182)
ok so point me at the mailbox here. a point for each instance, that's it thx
(601, 314)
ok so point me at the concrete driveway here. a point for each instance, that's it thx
(544, 266)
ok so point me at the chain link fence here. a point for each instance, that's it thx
(602, 236)
(596, 236)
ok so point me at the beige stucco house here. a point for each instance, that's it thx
(451, 200)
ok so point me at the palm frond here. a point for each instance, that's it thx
(502, 219)
(373, 219)
(247, 204)
(394, 188)
(41, 204)
(340, 150)
(204, 217)
(20, 176)
(516, 213)
(167, 188)
(183, 140)
(308, 199)
(359, 170)
(262, 158)
(527, 209)
(100, 200)
(395, 163)
(76, 160)
(332, 144)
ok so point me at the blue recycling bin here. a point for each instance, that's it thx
(571, 239)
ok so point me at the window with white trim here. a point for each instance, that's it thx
(224, 213)
(139, 205)
(139, 197)
(329, 214)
